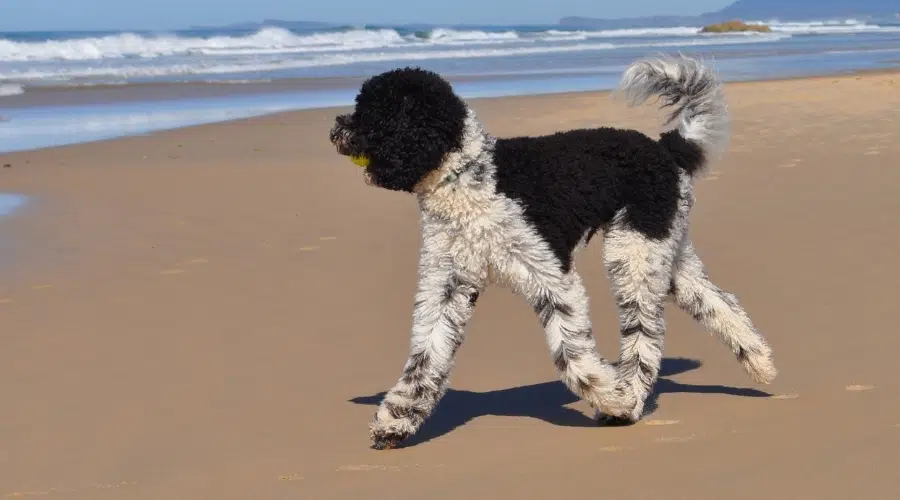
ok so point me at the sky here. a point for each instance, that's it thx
(35, 15)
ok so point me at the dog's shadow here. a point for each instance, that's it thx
(545, 401)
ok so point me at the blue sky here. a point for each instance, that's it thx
(164, 14)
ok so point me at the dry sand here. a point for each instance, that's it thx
(212, 313)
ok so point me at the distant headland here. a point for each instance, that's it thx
(743, 10)
(735, 27)
(762, 10)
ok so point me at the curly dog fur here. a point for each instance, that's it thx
(513, 211)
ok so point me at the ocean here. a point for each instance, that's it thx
(65, 87)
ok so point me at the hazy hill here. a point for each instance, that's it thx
(809, 9)
(756, 10)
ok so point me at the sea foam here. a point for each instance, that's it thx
(278, 40)
(272, 59)
(7, 89)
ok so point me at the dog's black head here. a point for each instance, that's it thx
(405, 121)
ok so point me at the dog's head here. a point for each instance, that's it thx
(404, 123)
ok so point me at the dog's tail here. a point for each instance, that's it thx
(703, 125)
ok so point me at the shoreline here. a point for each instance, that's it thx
(268, 89)
(108, 93)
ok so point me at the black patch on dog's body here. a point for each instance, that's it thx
(572, 183)
(687, 154)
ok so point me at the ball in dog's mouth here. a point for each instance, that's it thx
(361, 161)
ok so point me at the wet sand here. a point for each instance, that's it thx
(152, 92)
(68, 95)
(213, 312)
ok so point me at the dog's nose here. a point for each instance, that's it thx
(340, 132)
(344, 138)
(335, 133)
(342, 122)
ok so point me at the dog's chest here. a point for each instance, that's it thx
(469, 220)
(488, 236)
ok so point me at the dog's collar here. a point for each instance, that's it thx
(454, 174)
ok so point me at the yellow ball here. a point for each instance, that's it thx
(360, 161)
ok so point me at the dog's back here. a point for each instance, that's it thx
(572, 183)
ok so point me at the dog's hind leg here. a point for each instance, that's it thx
(640, 269)
(444, 303)
(562, 306)
(721, 314)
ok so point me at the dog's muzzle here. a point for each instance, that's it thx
(341, 136)
(347, 145)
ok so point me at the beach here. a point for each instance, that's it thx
(202, 313)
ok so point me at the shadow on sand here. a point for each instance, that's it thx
(545, 401)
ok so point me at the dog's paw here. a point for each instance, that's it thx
(760, 366)
(384, 439)
(619, 403)
(606, 420)
(628, 414)
(387, 430)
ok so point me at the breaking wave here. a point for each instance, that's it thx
(249, 65)
(278, 40)
(7, 89)
(827, 27)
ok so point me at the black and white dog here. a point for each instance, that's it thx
(513, 211)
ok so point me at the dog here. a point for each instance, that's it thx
(514, 211)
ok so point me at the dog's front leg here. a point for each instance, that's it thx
(444, 303)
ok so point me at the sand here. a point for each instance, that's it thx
(213, 312)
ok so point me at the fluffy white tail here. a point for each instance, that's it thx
(692, 88)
